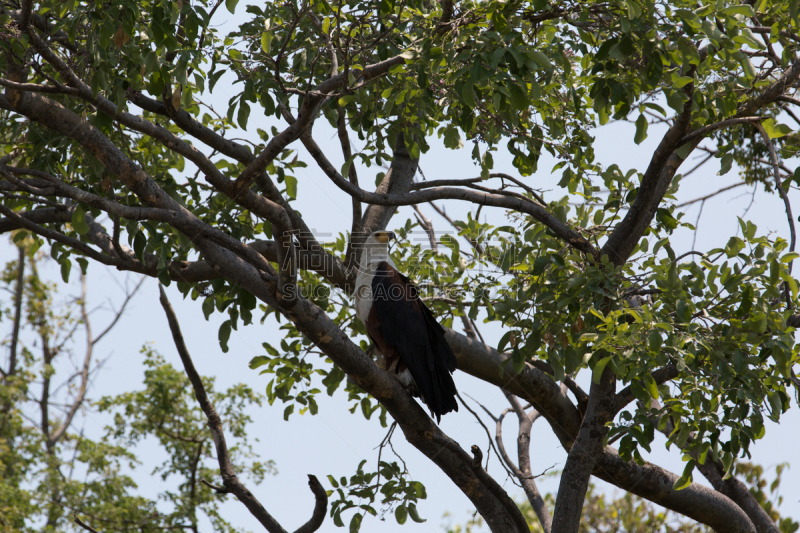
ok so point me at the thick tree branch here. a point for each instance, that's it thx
(665, 163)
(654, 184)
(488, 497)
(583, 454)
(652, 482)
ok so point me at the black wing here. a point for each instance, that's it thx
(409, 326)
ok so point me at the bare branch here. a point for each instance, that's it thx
(320, 507)
(713, 194)
(344, 141)
(523, 453)
(18, 290)
(426, 224)
(306, 115)
(485, 429)
(215, 488)
(229, 478)
(118, 314)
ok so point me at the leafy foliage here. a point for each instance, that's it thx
(530, 77)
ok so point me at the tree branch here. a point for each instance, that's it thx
(584, 453)
(778, 185)
(488, 497)
(524, 472)
(229, 478)
(705, 130)
(18, 291)
(652, 482)
(391, 199)
(660, 375)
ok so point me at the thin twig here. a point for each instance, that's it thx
(777, 170)
(478, 418)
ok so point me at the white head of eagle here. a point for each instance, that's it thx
(409, 341)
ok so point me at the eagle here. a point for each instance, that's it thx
(409, 341)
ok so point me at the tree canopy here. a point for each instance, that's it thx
(105, 104)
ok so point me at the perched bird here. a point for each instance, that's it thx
(409, 340)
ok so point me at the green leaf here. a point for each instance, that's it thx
(682, 81)
(412, 512)
(346, 99)
(686, 479)
(684, 151)
(66, 266)
(654, 341)
(347, 165)
(597, 371)
(243, 115)
(139, 245)
(725, 166)
(266, 41)
(675, 100)
(775, 131)
(79, 221)
(745, 10)
(355, 523)
(291, 186)
(518, 98)
(775, 404)
(641, 129)
(224, 335)
(468, 94)
(151, 62)
(651, 386)
(231, 5)
(540, 58)
(401, 514)
(747, 66)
